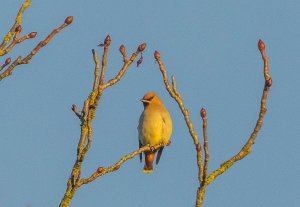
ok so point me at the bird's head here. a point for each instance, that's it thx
(151, 99)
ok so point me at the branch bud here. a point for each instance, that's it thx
(107, 40)
(7, 61)
(142, 47)
(122, 49)
(32, 34)
(139, 61)
(268, 82)
(198, 147)
(69, 20)
(100, 169)
(261, 45)
(18, 28)
(203, 113)
(74, 108)
(156, 55)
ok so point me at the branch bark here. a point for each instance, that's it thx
(87, 115)
(13, 37)
(203, 179)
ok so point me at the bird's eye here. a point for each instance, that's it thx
(150, 99)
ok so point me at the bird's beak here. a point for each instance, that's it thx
(144, 101)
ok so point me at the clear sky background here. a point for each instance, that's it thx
(210, 47)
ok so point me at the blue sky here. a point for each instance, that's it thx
(210, 47)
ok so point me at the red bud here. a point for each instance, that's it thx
(32, 34)
(18, 28)
(100, 169)
(7, 61)
(122, 49)
(203, 113)
(198, 147)
(156, 55)
(142, 47)
(269, 82)
(139, 61)
(69, 20)
(261, 45)
(74, 108)
(107, 40)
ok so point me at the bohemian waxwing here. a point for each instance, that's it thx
(155, 127)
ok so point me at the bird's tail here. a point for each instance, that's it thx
(149, 157)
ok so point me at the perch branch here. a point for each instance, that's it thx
(88, 114)
(102, 171)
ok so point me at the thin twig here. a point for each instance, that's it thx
(205, 144)
(17, 22)
(247, 147)
(176, 96)
(102, 171)
(204, 181)
(20, 60)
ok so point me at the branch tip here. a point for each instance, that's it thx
(203, 113)
(122, 49)
(32, 34)
(7, 61)
(142, 47)
(69, 20)
(106, 43)
(261, 45)
(74, 108)
(156, 55)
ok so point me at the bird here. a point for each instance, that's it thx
(155, 127)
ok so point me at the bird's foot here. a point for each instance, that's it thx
(152, 148)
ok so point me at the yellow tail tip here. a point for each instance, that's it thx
(147, 170)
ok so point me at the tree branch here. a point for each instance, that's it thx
(14, 33)
(205, 180)
(102, 171)
(87, 115)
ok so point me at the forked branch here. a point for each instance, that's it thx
(205, 180)
(87, 115)
(12, 38)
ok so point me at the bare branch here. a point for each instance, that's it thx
(14, 35)
(17, 22)
(204, 181)
(102, 171)
(176, 96)
(88, 114)
(205, 143)
(247, 147)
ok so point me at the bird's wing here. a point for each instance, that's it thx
(140, 145)
(159, 154)
(163, 128)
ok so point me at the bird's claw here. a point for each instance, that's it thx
(152, 148)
